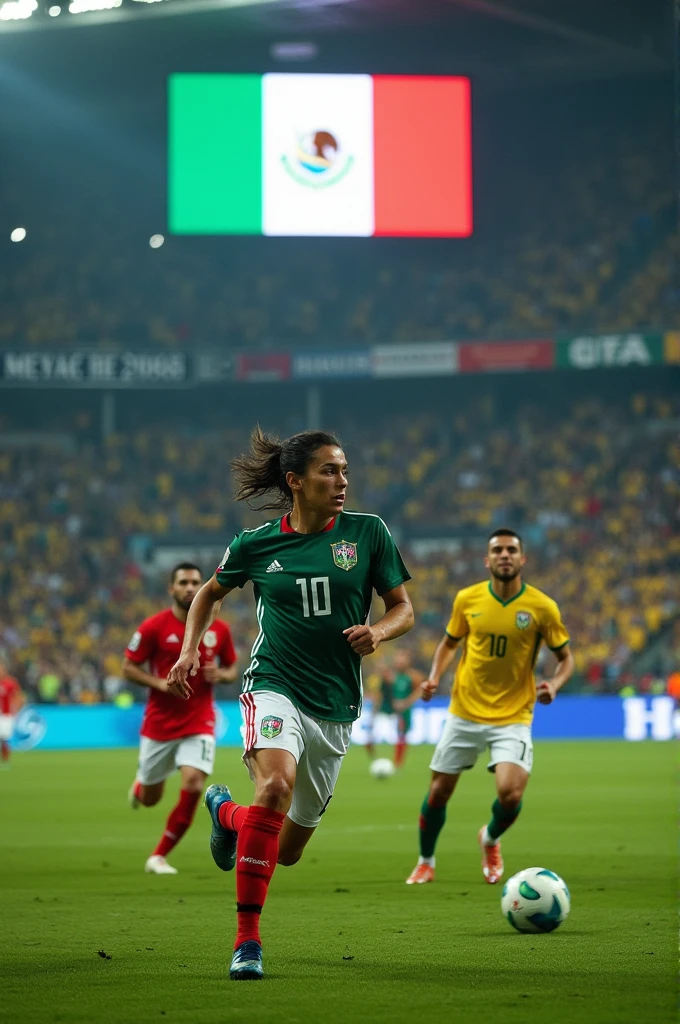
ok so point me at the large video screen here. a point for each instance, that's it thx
(327, 155)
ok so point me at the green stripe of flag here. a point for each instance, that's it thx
(215, 154)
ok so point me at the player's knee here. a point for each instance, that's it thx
(274, 792)
(193, 783)
(510, 797)
(440, 791)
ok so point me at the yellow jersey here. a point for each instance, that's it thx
(494, 681)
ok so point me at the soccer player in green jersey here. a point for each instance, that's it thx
(314, 571)
(399, 691)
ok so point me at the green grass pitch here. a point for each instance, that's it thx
(344, 939)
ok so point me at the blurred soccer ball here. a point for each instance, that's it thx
(535, 900)
(382, 768)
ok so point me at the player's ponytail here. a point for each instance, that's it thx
(263, 469)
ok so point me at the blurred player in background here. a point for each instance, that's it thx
(176, 734)
(11, 701)
(314, 571)
(398, 690)
(503, 622)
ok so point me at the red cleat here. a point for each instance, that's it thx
(421, 873)
(492, 860)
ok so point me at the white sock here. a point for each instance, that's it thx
(426, 860)
(486, 838)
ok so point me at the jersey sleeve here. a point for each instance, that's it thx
(142, 644)
(227, 651)
(232, 570)
(553, 629)
(457, 626)
(387, 567)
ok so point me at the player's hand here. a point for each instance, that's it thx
(212, 673)
(545, 692)
(428, 688)
(363, 639)
(186, 665)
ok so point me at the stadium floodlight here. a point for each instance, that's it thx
(156, 241)
(14, 10)
(54, 12)
(18, 235)
(83, 6)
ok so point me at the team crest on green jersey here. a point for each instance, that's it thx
(523, 620)
(345, 554)
(271, 727)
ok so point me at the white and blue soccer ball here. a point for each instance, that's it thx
(535, 900)
(382, 768)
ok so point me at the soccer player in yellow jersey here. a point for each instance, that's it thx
(503, 622)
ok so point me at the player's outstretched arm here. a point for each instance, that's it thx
(396, 621)
(441, 663)
(204, 609)
(547, 690)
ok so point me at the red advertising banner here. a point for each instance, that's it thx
(505, 356)
(265, 367)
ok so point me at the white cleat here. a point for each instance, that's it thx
(157, 865)
(132, 799)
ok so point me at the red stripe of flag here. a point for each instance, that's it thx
(423, 156)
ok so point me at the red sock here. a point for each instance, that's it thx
(232, 815)
(5, 750)
(400, 752)
(178, 821)
(256, 854)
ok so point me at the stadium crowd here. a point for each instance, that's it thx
(593, 489)
(594, 250)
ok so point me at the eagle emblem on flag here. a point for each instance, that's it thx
(345, 554)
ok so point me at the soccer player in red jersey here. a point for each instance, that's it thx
(176, 733)
(11, 700)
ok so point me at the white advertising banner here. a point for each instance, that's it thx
(431, 359)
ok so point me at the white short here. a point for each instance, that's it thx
(462, 741)
(160, 758)
(272, 721)
(7, 726)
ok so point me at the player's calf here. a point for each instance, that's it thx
(140, 795)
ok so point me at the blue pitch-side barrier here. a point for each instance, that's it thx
(104, 726)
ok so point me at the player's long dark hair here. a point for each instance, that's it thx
(263, 469)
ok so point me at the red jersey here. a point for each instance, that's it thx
(9, 691)
(159, 641)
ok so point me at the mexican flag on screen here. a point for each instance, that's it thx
(289, 154)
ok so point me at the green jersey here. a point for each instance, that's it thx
(390, 691)
(309, 587)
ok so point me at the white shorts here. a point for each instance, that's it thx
(462, 741)
(160, 758)
(273, 722)
(7, 726)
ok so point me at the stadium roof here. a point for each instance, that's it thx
(534, 39)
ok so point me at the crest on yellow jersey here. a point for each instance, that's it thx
(523, 620)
